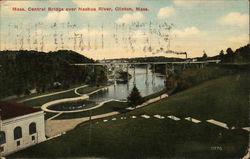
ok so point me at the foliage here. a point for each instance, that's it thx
(240, 55)
(204, 56)
(24, 70)
(155, 138)
(135, 97)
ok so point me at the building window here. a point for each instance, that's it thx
(18, 143)
(32, 138)
(32, 128)
(1, 149)
(2, 137)
(17, 133)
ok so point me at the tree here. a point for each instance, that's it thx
(230, 51)
(135, 97)
(230, 55)
(204, 56)
(221, 53)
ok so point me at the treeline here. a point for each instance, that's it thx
(149, 59)
(194, 74)
(240, 55)
(22, 71)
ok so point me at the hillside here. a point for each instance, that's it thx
(21, 71)
(224, 99)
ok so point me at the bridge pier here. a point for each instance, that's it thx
(134, 74)
(107, 72)
(93, 68)
(166, 70)
(172, 68)
(115, 76)
(127, 69)
(202, 65)
(153, 73)
(147, 67)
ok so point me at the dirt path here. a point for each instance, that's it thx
(50, 94)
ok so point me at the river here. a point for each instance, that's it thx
(146, 83)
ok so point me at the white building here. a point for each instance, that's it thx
(20, 127)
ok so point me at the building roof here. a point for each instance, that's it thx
(10, 110)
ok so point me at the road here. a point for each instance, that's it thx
(50, 94)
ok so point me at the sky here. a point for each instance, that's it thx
(167, 26)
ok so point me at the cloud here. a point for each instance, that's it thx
(166, 12)
(235, 19)
(57, 16)
(239, 40)
(128, 18)
(187, 32)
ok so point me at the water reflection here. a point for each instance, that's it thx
(147, 84)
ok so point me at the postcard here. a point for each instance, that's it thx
(124, 79)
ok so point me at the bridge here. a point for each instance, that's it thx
(115, 66)
(145, 63)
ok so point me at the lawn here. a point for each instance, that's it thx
(143, 138)
(49, 115)
(69, 94)
(44, 93)
(223, 99)
(43, 100)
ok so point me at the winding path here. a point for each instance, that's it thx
(55, 128)
(45, 106)
(50, 94)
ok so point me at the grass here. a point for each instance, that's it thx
(224, 99)
(69, 94)
(157, 94)
(43, 100)
(106, 108)
(44, 93)
(140, 138)
(49, 115)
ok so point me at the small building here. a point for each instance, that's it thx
(20, 127)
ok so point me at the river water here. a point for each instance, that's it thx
(146, 84)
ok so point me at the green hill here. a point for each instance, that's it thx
(21, 71)
(224, 99)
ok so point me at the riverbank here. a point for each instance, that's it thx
(106, 109)
(138, 134)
